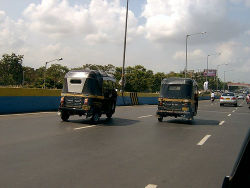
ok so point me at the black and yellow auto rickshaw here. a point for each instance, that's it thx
(89, 93)
(178, 98)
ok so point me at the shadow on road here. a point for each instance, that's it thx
(228, 105)
(106, 122)
(194, 122)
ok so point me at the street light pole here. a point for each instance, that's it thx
(224, 82)
(188, 35)
(44, 79)
(124, 50)
(225, 79)
(186, 57)
(207, 62)
(218, 74)
(207, 67)
(23, 78)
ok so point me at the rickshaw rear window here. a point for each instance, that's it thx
(174, 88)
(181, 91)
(74, 81)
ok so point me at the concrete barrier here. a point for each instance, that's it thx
(21, 100)
(22, 104)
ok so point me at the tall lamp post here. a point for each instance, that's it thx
(188, 35)
(23, 78)
(218, 74)
(44, 81)
(207, 62)
(124, 51)
(225, 79)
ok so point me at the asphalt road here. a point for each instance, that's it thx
(133, 150)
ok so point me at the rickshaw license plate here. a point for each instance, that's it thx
(184, 108)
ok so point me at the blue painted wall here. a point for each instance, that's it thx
(21, 104)
(148, 100)
(123, 101)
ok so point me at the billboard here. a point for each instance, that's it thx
(210, 72)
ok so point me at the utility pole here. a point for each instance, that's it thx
(124, 51)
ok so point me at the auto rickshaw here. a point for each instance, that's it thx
(88, 92)
(178, 98)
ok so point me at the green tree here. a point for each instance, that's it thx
(55, 76)
(11, 70)
(39, 77)
(29, 76)
(138, 79)
(156, 84)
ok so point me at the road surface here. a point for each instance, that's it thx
(133, 150)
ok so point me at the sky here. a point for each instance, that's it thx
(92, 31)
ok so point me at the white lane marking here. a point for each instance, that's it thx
(233, 111)
(229, 115)
(212, 111)
(203, 140)
(145, 116)
(236, 108)
(24, 114)
(85, 127)
(222, 122)
(151, 186)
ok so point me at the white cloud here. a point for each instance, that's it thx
(12, 34)
(194, 55)
(171, 20)
(247, 32)
(247, 49)
(93, 33)
(100, 21)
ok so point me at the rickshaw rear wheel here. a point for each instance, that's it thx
(64, 116)
(160, 119)
(191, 118)
(111, 111)
(109, 115)
(95, 118)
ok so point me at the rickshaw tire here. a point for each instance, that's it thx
(191, 118)
(111, 111)
(109, 115)
(113, 107)
(95, 118)
(64, 116)
(160, 119)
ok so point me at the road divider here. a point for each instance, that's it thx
(203, 140)
(25, 100)
(134, 98)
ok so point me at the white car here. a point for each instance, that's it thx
(228, 98)
(240, 97)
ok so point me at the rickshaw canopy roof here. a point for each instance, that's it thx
(178, 81)
(95, 74)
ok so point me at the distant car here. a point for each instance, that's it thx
(228, 98)
(240, 97)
